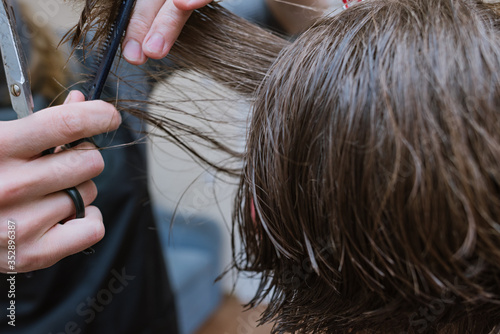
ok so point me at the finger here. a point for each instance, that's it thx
(63, 240)
(28, 137)
(8, 149)
(164, 31)
(51, 173)
(37, 217)
(74, 96)
(144, 14)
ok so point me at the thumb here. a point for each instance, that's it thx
(74, 96)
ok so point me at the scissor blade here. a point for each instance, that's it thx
(14, 63)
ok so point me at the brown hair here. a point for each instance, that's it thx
(369, 200)
(199, 48)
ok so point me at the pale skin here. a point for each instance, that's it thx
(31, 185)
(156, 24)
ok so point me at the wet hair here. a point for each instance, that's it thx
(369, 200)
(201, 48)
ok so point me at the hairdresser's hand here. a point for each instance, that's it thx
(155, 26)
(32, 200)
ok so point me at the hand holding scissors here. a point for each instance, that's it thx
(32, 185)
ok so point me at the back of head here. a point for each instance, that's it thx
(371, 190)
(371, 195)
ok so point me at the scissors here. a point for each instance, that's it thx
(18, 83)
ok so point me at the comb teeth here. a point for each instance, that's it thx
(108, 49)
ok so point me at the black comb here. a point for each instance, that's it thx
(107, 55)
(109, 49)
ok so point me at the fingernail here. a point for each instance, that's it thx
(156, 44)
(132, 51)
(68, 98)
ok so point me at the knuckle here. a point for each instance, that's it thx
(95, 226)
(112, 116)
(84, 160)
(167, 22)
(94, 161)
(89, 192)
(21, 262)
(37, 261)
(4, 239)
(97, 232)
(33, 257)
(140, 25)
(92, 192)
(26, 262)
(69, 124)
(21, 232)
(11, 189)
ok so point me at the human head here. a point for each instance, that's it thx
(370, 196)
(370, 193)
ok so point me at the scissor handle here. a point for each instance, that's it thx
(14, 63)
